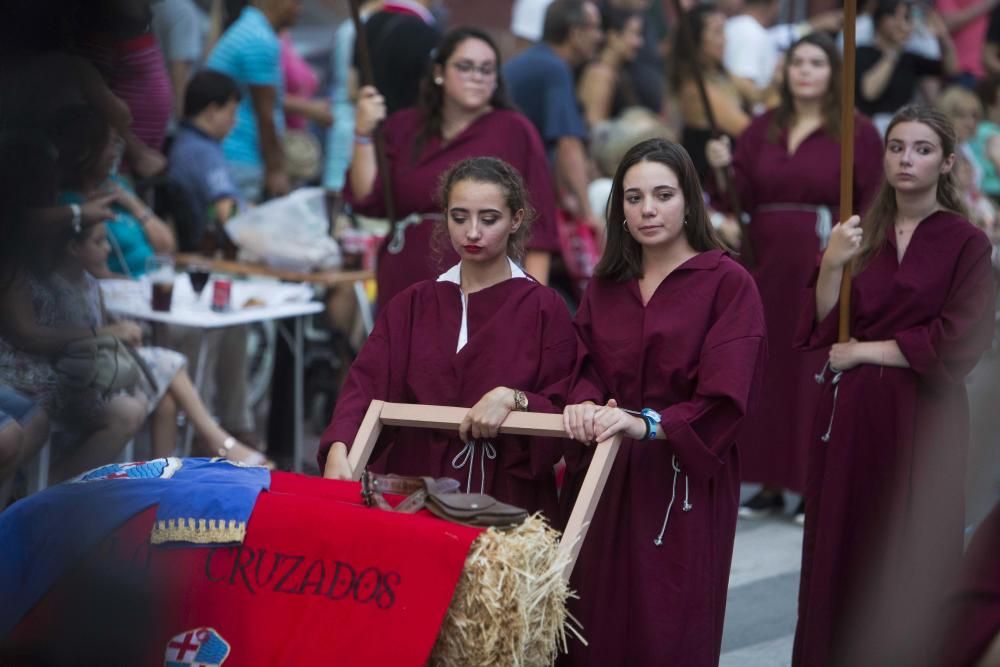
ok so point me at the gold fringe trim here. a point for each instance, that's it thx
(198, 531)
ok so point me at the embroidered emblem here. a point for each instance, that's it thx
(201, 647)
(155, 469)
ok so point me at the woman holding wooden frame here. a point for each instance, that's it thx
(483, 335)
(674, 327)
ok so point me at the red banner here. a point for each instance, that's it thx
(319, 580)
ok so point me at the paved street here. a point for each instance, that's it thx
(763, 590)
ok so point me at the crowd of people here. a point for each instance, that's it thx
(607, 211)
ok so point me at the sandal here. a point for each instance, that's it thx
(254, 459)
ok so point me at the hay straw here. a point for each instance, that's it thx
(509, 606)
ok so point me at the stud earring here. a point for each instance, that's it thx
(438, 80)
(685, 220)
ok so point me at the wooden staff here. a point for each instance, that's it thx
(728, 182)
(847, 158)
(368, 79)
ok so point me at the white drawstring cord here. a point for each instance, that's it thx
(835, 380)
(687, 506)
(468, 457)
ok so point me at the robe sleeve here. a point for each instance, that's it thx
(946, 348)
(586, 383)
(368, 379)
(538, 179)
(558, 357)
(809, 334)
(702, 430)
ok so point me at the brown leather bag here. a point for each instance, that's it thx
(440, 497)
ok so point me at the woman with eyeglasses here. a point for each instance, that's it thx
(463, 112)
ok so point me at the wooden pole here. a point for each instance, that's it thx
(728, 181)
(847, 158)
(368, 79)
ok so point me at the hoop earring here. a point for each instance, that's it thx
(625, 223)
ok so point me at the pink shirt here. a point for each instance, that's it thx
(970, 39)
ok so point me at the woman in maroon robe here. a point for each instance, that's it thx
(974, 630)
(483, 335)
(674, 325)
(463, 113)
(787, 173)
(885, 493)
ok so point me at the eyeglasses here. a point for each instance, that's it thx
(467, 67)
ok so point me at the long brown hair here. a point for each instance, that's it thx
(495, 172)
(431, 100)
(784, 113)
(622, 258)
(883, 212)
(687, 62)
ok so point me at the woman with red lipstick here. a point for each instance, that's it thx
(884, 504)
(463, 112)
(787, 173)
(675, 331)
(482, 335)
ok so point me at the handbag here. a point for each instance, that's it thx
(103, 363)
(441, 498)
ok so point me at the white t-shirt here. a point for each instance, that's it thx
(528, 18)
(751, 52)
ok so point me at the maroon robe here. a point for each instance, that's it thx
(885, 493)
(503, 134)
(976, 603)
(695, 354)
(519, 335)
(783, 192)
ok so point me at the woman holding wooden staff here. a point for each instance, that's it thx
(884, 504)
(786, 170)
(463, 112)
(482, 335)
(675, 332)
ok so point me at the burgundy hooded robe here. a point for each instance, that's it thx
(519, 335)
(695, 354)
(792, 200)
(975, 605)
(501, 133)
(885, 493)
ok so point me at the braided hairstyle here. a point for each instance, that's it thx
(496, 172)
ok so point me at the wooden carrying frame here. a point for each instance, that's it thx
(381, 413)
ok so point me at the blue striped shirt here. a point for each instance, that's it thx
(250, 53)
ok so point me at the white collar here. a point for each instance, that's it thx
(454, 274)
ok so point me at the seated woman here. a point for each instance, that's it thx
(90, 151)
(483, 335)
(76, 298)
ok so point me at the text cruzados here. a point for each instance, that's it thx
(260, 570)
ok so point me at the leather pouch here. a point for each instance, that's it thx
(440, 497)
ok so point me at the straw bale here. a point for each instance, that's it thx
(510, 603)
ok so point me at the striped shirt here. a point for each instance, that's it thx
(250, 53)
